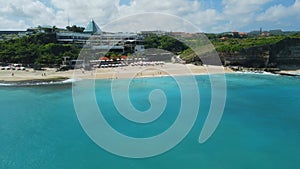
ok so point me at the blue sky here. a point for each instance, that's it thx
(125, 2)
(207, 15)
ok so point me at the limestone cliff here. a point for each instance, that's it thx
(283, 53)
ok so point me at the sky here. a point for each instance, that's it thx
(207, 15)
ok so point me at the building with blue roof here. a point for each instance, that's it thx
(92, 28)
(102, 42)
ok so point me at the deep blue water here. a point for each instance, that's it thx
(260, 127)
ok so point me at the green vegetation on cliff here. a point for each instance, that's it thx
(236, 44)
(164, 42)
(42, 48)
(227, 45)
(39, 49)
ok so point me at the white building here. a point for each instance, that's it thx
(93, 37)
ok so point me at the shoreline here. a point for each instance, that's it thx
(50, 75)
(276, 71)
(288, 72)
(51, 79)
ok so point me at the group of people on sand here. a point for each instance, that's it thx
(13, 74)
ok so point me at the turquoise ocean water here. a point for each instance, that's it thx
(260, 127)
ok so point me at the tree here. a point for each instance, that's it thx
(54, 28)
(165, 42)
(39, 49)
(75, 28)
(152, 41)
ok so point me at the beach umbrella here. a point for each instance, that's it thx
(103, 58)
(124, 57)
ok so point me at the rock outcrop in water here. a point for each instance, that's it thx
(284, 53)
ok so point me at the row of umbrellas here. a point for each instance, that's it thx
(108, 59)
(104, 58)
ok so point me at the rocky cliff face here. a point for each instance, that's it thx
(283, 53)
(250, 57)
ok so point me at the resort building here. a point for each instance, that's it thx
(93, 37)
(72, 37)
(117, 42)
(79, 38)
(237, 34)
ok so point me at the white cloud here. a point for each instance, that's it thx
(240, 13)
(80, 12)
(34, 12)
(189, 10)
(150, 21)
(235, 7)
(230, 15)
(29, 11)
(12, 25)
(178, 7)
(279, 12)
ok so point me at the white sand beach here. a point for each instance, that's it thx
(290, 72)
(167, 69)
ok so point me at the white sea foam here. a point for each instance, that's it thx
(257, 73)
(6, 84)
(70, 80)
(37, 83)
